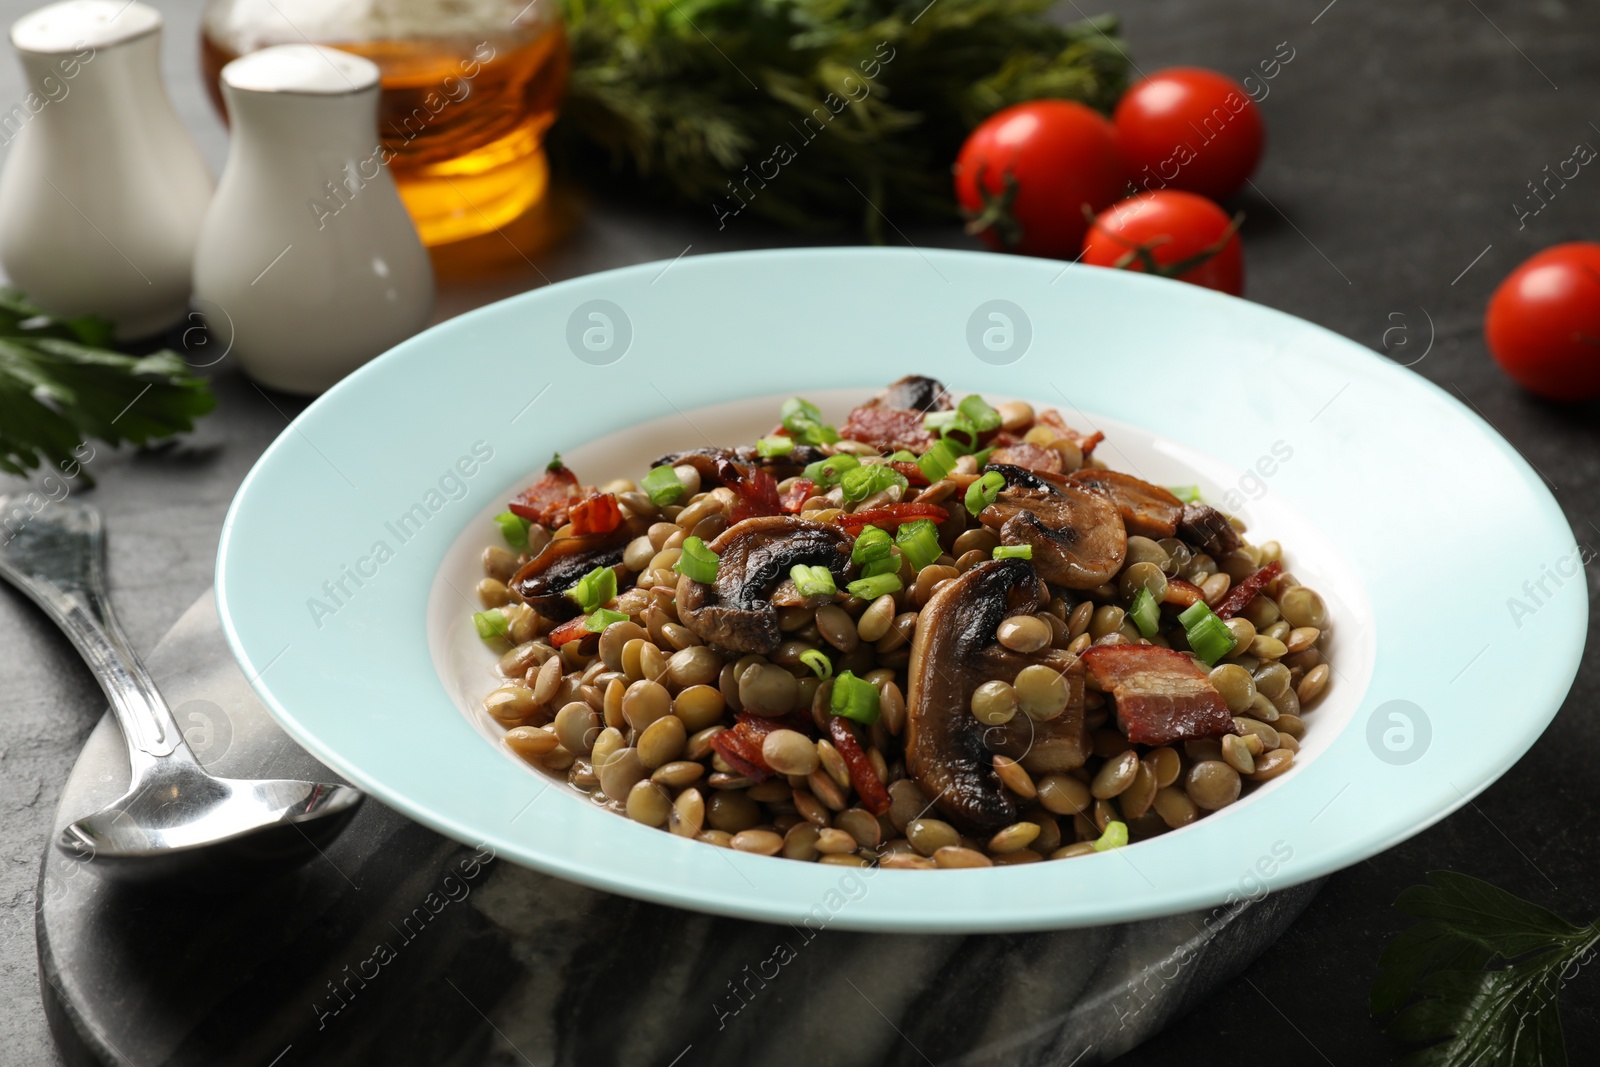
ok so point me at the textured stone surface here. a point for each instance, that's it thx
(1401, 135)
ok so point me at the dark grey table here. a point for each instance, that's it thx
(1401, 137)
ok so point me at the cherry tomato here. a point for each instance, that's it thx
(1180, 235)
(1025, 175)
(1192, 129)
(1543, 325)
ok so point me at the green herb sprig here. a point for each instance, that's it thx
(61, 385)
(1478, 978)
(708, 101)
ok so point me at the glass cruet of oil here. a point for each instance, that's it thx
(469, 88)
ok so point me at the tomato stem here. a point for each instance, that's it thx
(1144, 254)
(996, 213)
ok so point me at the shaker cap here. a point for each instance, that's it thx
(76, 24)
(300, 68)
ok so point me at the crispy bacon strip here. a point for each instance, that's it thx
(869, 787)
(547, 500)
(1161, 695)
(800, 490)
(1030, 456)
(1248, 589)
(891, 516)
(913, 473)
(888, 429)
(742, 753)
(597, 513)
(571, 630)
(756, 490)
(1182, 594)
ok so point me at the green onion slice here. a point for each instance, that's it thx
(871, 543)
(874, 586)
(861, 482)
(981, 493)
(514, 528)
(820, 664)
(1209, 637)
(778, 445)
(979, 413)
(803, 420)
(955, 428)
(697, 562)
(1115, 836)
(918, 542)
(938, 461)
(827, 472)
(663, 486)
(813, 581)
(601, 618)
(1013, 552)
(1189, 494)
(854, 698)
(597, 587)
(491, 624)
(1145, 613)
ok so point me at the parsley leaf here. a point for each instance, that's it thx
(1479, 977)
(60, 385)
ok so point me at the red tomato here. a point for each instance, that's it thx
(1190, 128)
(1543, 324)
(1026, 173)
(1185, 237)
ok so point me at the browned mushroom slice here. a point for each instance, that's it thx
(544, 580)
(1147, 510)
(1208, 529)
(708, 461)
(953, 651)
(1077, 537)
(735, 610)
(916, 392)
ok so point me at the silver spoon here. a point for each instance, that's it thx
(175, 820)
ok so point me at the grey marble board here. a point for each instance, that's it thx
(402, 947)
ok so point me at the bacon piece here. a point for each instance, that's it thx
(1030, 456)
(547, 500)
(892, 515)
(1161, 695)
(887, 429)
(800, 490)
(597, 513)
(1146, 509)
(913, 473)
(756, 490)
(742, 751)
(869, 787)
(1085, 441)
(1248, 589)
(1183, 594)
(571, 630)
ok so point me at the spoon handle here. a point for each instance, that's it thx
(54, 551)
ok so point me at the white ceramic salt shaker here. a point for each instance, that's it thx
(104, 190)
(307, 252)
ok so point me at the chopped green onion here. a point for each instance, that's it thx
(861, 482)
(981, 493)
(871, 543)
(1145, 614)
(918, 542)
(663, 486)
(803, 420)
(514, 528)
(555, 463)
(874, 586)
(813, 581)
(1189, 494)
(1209, 637)
(603, 617)
(820, 665)
(1115, 836)
(697, 562)
(955, 428)
(491, 624)
(778, 445)
(889, 564)
(827, 472)
(903, 456)
(597, 587)
(982, 458)
(938, 461)
(979, 413)
(854, 698)
(1013, 552)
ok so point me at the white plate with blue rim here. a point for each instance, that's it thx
(348, 558)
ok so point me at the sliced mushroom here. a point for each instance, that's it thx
(953, 651)
(544, 580)
(1077, 537)
(735, 610)
(1147, 510)
(1209, 529)
(708, 461)
(917, 392)
(1161, 695)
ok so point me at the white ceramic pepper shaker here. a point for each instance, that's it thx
(307, 251)
(104, 190)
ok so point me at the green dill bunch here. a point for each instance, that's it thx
(814, 114)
